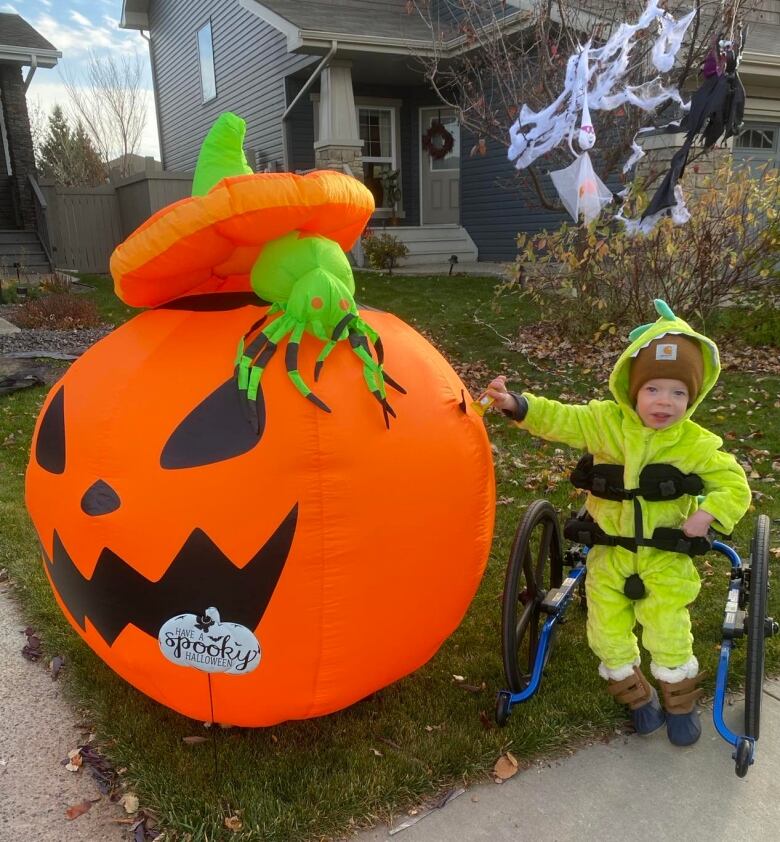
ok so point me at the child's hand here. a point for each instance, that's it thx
(698, 524)
(498, 391)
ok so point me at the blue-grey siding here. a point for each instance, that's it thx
(250, 64)
(495, 206)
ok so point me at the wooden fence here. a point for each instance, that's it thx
(87, 223)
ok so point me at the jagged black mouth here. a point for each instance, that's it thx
(200, 576)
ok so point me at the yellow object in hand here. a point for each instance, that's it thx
(482, 404)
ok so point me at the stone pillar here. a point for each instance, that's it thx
(17, 126)
(339, 142)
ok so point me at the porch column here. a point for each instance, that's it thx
(339, 143)
(17, 126)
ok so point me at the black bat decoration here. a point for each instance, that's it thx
(717, 109)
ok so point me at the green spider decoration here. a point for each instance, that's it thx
(309, 281)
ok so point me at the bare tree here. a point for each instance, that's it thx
(489, 57)
(38, 127)
(109, 100)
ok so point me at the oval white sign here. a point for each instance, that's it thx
(205, 643)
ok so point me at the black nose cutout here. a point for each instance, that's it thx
(100, 499)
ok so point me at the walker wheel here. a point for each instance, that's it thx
(503, 708)
(535, 566)
(743, 756)
(755, 625)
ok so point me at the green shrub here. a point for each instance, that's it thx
(726, 254)
(383, 250)
(58, 312)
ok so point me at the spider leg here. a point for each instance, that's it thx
(372, 374)
(291, 361)
(334, 338)
(380, 353)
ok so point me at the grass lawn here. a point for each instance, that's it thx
(320, 778)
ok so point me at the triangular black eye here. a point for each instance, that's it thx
(50, 446)
(217, 429)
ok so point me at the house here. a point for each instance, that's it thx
(336, 83)
(23, 237)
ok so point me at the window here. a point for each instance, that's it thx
(756, 138)
(376, 129)
(208, 81)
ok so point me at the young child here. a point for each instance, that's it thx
(650, 466)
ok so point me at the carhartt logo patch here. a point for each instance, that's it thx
(667, 351)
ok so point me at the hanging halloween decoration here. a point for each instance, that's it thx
(280, 564)
(438, 141)
(594, 80)
(581, 190)
(715, 113)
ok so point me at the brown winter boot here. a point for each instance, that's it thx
(637, 692)
(683, 725)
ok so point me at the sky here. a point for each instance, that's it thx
(75, 27)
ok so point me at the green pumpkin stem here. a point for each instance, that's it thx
(221, 155)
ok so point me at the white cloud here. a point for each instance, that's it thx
(75, 42)
(11, 10)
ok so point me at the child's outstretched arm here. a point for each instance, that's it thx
(583, 427)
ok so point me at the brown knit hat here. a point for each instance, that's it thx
(671, 356)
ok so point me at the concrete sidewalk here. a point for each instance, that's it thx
(632, 788)
(38, 728)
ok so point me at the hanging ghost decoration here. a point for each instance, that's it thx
(581, 190)
(594, 80)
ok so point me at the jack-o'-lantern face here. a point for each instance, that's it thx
(154, 495)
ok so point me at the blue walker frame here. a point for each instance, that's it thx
(557, 601)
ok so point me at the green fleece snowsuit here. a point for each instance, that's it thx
(614, 434)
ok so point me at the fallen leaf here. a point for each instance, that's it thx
(377, 752)
(487, 721)
(473, 688)
(74, 760)
(506, 766)
(459, 677)
(55, 665)
(193, 741)
(233, 823)
(32, 649)
(130, 802)
(78, 810)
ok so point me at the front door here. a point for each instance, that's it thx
(440, 178)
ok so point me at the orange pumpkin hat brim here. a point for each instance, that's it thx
(209, 243)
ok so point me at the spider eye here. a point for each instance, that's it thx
(316, 303)
(344, 304)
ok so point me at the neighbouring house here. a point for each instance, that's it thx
(335, 83)
(23, 233)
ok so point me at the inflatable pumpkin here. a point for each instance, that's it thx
(160, 488)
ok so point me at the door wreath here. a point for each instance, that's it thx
(437, 141)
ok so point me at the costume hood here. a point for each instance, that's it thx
(642, 336)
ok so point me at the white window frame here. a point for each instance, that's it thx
(200, 29)
(759, 127)
(378, 104)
